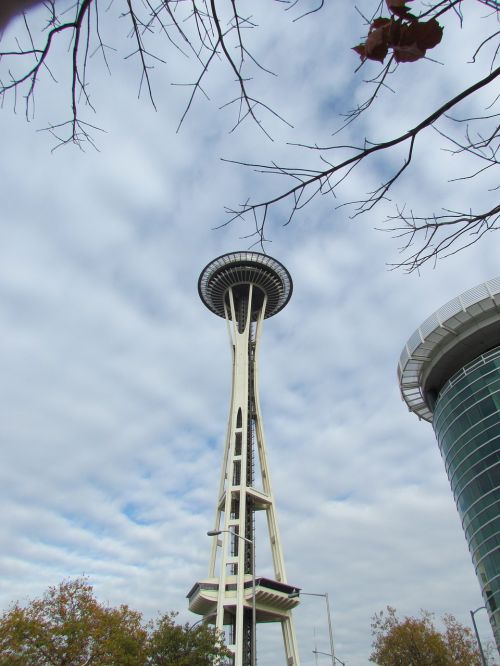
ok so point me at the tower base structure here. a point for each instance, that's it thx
(449, 374)
(245, 288)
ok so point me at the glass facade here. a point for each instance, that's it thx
(466, 421)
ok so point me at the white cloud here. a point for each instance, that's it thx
(115, 379)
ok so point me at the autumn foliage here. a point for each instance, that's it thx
(69, 627)
(408, 37)
(416, 641)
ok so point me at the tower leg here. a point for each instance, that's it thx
(290, 641)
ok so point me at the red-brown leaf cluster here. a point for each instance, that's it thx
(404, 34)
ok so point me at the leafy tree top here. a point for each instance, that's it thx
(68, 626)
(415, 641)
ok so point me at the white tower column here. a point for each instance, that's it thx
(245, 288)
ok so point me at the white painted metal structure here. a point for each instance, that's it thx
(245, 288)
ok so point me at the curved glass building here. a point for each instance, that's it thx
(449, 374)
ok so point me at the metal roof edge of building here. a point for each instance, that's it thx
(457, 316)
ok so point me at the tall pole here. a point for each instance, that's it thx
(330, 627)
(330, 630)
(472, 613)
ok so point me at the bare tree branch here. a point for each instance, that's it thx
(195, 24)
(213, 33)
(320, 181)
(444, 235)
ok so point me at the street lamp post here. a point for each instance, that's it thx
(472, 613)
(327, 600)
(327, 654)
(254, 609)
(192, 626)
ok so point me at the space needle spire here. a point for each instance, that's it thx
(245, 288)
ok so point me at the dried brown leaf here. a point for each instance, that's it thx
(377, 47)
(409, 53)
(398, 7)
(428, 34)
(360, 50)
(380, 22)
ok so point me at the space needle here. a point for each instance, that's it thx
(245, 288)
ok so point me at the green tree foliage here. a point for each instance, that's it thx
(172, 644)
(416, 641)
(69, 627)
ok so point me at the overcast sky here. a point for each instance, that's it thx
(114, 378)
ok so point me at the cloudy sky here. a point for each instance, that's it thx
(114, 382)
